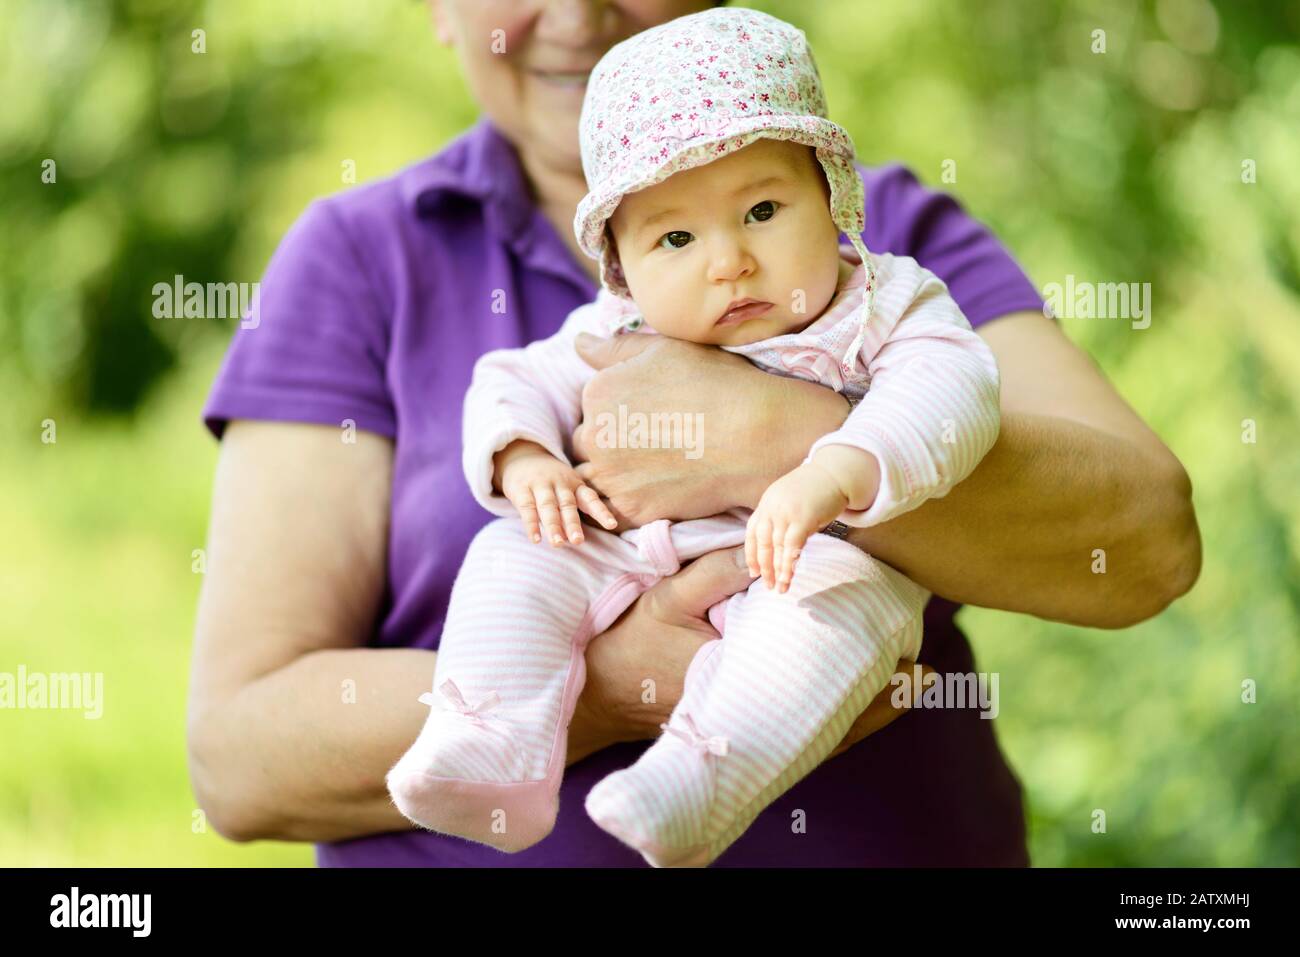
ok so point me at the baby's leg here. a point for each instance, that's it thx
(788, 679)
(487, 764)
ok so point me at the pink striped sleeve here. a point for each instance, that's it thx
(932, 409)
(532, 393)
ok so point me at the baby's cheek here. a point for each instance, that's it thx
(667, 322)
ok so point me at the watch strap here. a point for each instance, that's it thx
(836, 529)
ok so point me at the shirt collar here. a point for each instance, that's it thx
(483, 166)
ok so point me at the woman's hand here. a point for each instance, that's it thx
(656, 639)
(547, 493)
(754, 427)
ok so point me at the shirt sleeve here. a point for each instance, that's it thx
(908, 219)
(532, 393)
(314, 346)
(932, 409)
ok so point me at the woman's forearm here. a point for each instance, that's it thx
(1030, 530)
(301, 753)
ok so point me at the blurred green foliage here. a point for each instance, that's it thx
(1117, 166)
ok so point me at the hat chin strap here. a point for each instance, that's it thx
(868, 303)
(843, 178)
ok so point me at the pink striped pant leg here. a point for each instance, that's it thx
(790, 676)
(488, 762)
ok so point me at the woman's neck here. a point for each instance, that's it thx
(557, 187)
(554, 181)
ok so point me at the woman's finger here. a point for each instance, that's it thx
(544, 495)
(569, 514)
(589, 501)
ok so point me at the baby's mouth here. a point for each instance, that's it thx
(742, 311)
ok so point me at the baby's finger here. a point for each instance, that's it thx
(549, 513)
(569, 514)
(793, 548)
(765, 552)
(778, 551)
(523, 501)
(751, 548)
(589, 501)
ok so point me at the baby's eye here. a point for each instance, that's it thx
(768, 208)
(669, 237)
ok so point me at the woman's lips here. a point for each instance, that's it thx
(562, 81)
(744, 313)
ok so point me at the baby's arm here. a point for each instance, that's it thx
(929, 417)
(802, 502)
(523, 403)
(932, 410)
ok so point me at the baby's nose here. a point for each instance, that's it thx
(730, 262)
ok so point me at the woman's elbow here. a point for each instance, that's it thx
(1186, 535)
(1175, 562)
(215, 785)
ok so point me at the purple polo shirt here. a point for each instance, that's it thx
(375, 307)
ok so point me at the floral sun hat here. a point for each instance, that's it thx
(693, 90)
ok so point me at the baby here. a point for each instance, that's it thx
(718, 189)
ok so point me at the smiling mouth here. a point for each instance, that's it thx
(568, 80)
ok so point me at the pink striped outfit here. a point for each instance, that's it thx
(764, 705)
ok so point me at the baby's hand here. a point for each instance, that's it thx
(548, 492)
(793, 507)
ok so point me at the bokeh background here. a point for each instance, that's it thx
(1122, 166)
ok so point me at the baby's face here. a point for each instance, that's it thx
(755, 224)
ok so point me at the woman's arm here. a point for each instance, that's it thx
(292, 724)
(1074, 469)
(295, 574)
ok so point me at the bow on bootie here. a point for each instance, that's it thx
(715, 745)
(451, 694)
